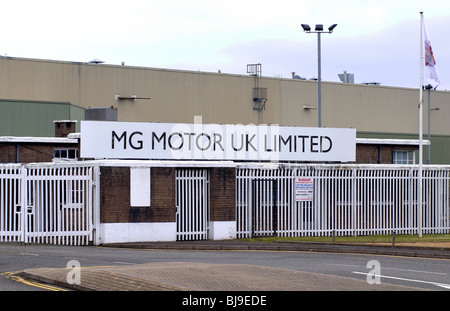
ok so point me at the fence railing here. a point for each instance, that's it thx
(55, 203)
(321, 200)
(46, 204)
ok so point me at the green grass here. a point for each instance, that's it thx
(436, 238)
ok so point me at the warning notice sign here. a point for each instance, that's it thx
(304, 189)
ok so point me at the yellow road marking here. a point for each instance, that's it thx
(15, 277)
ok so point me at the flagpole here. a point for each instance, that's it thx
(419, 203)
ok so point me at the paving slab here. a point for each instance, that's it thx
(183, 276)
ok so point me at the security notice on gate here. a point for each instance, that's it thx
(304, 189)
(179, 141)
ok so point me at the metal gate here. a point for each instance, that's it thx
(264, 203)
(264, 207)
(192, 201)
(47, 204)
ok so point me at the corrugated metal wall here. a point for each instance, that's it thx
(178, 96)
(31, 118)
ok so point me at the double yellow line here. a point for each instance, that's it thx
(16, 277)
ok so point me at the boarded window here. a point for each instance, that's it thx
(140, 186)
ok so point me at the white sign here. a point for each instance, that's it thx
(304, 189)
(133, 140)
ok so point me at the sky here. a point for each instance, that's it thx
(377, 41)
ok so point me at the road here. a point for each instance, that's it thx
(422, 273)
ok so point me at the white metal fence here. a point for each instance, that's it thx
(46, 204)
(342, 200)
(55, 203)
(192, 201)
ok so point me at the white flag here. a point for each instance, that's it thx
(430, 61)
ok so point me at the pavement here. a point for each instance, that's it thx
(330, 247)
(184, 276)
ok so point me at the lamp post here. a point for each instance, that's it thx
(319, 30)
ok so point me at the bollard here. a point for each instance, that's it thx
(393, 238)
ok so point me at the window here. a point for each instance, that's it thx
(65, 154)
(403, 157)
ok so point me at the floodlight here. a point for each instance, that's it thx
(306, 27)
(319, 27)
(330, 29)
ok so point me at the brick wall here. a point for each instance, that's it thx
(115, 197)
(35, 153)
(7, 153)
(29, 152)
(114, 194)
(163, 194)
(223, 194)
(370, 153)
(64, 128)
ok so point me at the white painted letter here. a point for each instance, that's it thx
(74, 275)
(373, 277)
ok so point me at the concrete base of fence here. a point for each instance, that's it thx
(158, 232)
(222, 230)
(137, 232)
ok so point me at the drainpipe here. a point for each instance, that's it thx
(379, 154)
(17, 154)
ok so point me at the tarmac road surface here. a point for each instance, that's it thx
(288, 270)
